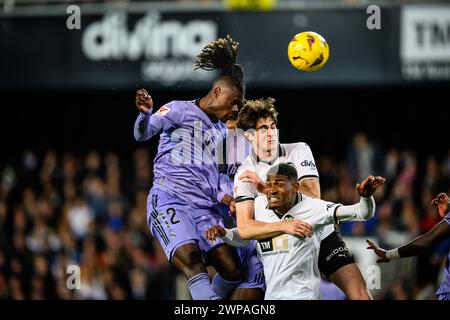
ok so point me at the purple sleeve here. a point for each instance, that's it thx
(225, 186)
(447, 217)
(167, 117)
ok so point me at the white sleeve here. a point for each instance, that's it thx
(233, 238)
(361, 211)
(324, 213)
(243, 191)
(320, 213)
(304, 162)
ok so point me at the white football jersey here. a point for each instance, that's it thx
(290, 263)
(299, 154)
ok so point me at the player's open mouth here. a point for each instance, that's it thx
(273, 199)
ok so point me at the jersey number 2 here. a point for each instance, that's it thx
(172, 212)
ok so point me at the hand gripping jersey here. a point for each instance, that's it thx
(299, 154)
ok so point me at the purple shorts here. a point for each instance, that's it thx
(171, 222)
(443, 296)
(252, 266)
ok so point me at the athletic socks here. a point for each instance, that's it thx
(223, 288)
(200, 288)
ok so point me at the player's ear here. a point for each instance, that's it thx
(216, 92)
(249, 135)
(295, 186)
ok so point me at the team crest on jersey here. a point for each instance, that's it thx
(280, 242)
(163, 111)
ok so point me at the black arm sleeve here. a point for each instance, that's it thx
(420, 244)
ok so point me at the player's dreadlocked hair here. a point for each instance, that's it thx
(252, 110)
(222, 54)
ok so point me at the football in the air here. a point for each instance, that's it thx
(308, 51)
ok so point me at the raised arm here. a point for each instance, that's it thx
(365, 208)
(361, 211)
(422, 243)
(333, 213)
(416, 246)
(144, 104)
(147, 124)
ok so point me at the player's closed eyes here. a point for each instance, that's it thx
(265, 129)
(262, 130)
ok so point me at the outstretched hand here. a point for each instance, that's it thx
(369, 185)
(143, 101)
(381, 253)
(442, 203)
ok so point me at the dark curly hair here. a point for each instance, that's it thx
(252, 110)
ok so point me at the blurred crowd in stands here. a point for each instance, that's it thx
(59, 209)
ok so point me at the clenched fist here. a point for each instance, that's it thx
(369, 185)
(215, 232)
(144, 101)
(442, 203)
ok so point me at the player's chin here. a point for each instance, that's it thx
(273, 205)
(272, 145)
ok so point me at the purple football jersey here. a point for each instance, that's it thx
(186, 165)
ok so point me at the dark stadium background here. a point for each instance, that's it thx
(53, 96)
(407, 117)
